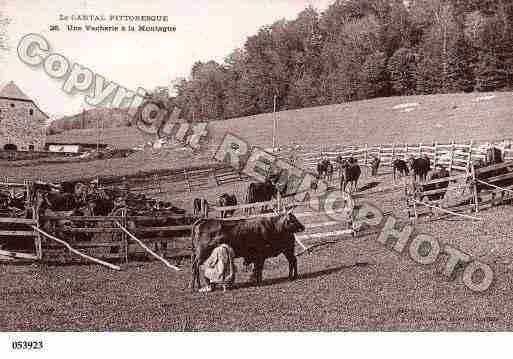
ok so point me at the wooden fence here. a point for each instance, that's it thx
(453, 156)
(19, 231)
(116, 238)
(456, 157)
(467, 184)
(105, 238)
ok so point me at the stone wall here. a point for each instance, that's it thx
(21, 124)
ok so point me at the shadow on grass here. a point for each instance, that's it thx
(381, 174)
(310, 275)
(369, 186)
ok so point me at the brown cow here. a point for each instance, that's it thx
(254, 239)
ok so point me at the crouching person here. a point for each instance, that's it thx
(220, 269)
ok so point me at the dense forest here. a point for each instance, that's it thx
(358, 49)
(355, 49)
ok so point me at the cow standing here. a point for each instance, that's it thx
(420, 167)
(401, 167)
(254, 239)
(200, 207)
(227, 200)
(325, 169)
(351, 175)
(260, 192)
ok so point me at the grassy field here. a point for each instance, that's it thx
(353, 284)
(481, 117)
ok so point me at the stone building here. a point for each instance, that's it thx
(22, 123)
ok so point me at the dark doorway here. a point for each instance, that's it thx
(31, 147)
(10, 147)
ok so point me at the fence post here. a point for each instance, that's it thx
(452, 155)
(473, 172)
(213, 174)
(124, 238)
(469, 157)
(393, 151)
(436, 151)
(187, 180)
(39, 247)
(365, 154)
(420, 149)
(379, 153)
(406, 152)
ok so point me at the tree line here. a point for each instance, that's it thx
(357, 49)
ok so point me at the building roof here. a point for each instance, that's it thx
(12, 92)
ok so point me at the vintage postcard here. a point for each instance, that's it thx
(255, 166)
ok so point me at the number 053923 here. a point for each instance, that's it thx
(26, 345)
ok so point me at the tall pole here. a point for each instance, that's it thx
(97, 134)
(275, 125)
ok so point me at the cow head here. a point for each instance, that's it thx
(289, 223)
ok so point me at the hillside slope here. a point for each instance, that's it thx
(462, 117)
(480, 117)
(100, 116)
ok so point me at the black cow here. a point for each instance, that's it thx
(200, 207)
(101, 206)
(254, 239)
(260, 192)
(227, 200)
(351, 174)
(60, 202)
(420, 167)
(325, 169)
(5, 198)
(400, 166)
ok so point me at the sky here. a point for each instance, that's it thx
(205, 30)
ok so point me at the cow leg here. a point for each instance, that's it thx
(291, 257)
(195, 273)
(258, 267)
(197, 260)
(246, 264)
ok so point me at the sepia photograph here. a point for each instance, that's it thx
(306, 166)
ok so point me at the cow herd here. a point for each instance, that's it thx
(350, 171)
(55, 204)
